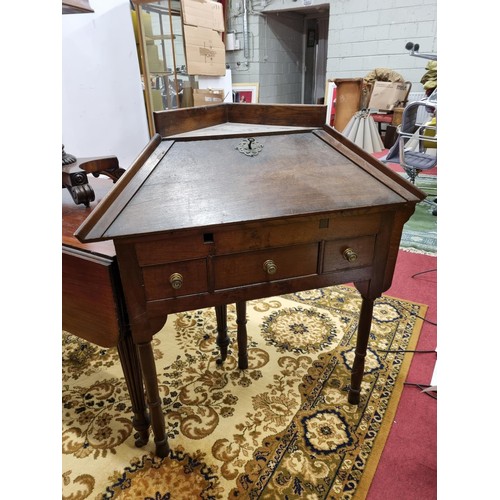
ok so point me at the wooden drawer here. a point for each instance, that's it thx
(334, 258)
(255, 236)
(192, 275)
(249, 267)
(171, 249)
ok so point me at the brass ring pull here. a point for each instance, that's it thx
(176, 280)
(270, 267)
(349, 254)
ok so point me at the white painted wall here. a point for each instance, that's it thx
(103, 111)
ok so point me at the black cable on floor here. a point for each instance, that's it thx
(403, 350)
(422, 387)
(423, 272)
(417, 316)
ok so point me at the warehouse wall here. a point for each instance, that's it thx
(363, 35)
(369, 34)
(103, 108)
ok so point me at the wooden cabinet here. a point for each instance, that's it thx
(209, 216)
(351, 94)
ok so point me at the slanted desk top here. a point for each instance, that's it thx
(199, 178)
(234, 202)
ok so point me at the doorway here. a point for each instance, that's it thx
(312, 23)
(296, 38)
(315, 56)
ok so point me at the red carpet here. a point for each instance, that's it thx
(408, 466)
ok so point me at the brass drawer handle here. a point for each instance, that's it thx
(270, 267)
(349, 254)
(176, 280)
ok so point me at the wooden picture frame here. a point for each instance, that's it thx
(246, 92)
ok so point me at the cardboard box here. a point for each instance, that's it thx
(205, 51)
(387, 95)
(203, 13)
(206, 97)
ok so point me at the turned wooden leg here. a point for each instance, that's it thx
(147, 361)
(222, 336)
(241, 320)
(133, 377)
(364, 326)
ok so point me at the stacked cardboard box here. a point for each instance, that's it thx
(203, 22)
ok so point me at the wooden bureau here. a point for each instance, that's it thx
(234, 202)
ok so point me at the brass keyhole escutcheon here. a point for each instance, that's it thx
(270, 267)
(176, 280)
(349, 254)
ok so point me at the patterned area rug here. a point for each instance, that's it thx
(420, 232)
(281, 429)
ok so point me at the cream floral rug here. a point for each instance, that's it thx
(281, 429)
